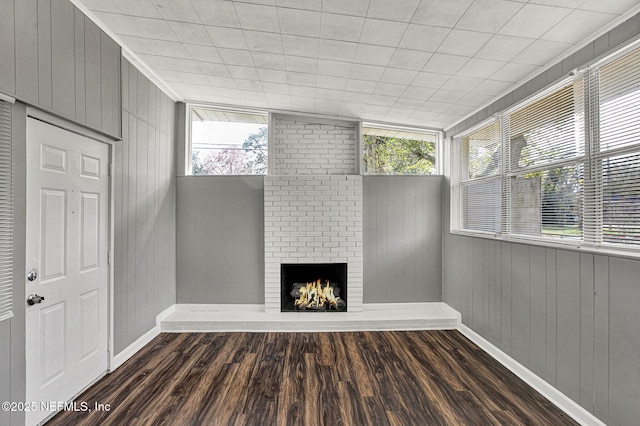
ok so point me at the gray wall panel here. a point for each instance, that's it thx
(79, 66)
(601, 338)
(63, 82)
(538, 317)
(586, 330)
(144, 220)
(26, 42)
(93, 98)
(624, 340)
(402, 225)
(220, 239)
(520, 304)
(5, 369)
(110, 71)
(551, 316)
(7, 49)
(44, 54)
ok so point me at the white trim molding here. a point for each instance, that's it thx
(556, 397)
(141, 342)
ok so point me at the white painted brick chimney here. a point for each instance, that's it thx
(313, 202)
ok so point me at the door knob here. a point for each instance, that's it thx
(31, 276)
(34, 298)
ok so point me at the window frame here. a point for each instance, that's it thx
(592, 228)
(188, 145)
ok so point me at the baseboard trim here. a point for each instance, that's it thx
(566, 404)
(143, 340)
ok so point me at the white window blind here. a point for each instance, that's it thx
(617, 149)
(546, 149)
(6, 218)
(478, 160)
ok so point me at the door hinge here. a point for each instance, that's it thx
(109, 257)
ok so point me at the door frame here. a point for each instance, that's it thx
(110, 142)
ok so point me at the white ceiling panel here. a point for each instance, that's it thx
(425, 62)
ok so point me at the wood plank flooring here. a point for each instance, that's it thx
(351, 378)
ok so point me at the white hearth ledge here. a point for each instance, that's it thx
(373, 317)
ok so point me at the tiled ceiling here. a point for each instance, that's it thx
(419, 62)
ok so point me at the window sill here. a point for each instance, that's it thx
(578, 246)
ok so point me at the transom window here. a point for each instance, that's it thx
(225, 142)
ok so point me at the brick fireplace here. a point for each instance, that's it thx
(313, 202)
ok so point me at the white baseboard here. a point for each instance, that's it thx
(556, 397)
(131, 350)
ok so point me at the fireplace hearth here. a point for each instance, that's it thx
(313, 287)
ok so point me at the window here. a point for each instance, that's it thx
(6, 213)
(570, 165)
(225, 142)
(398, 151)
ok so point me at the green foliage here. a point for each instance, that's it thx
(393, 156)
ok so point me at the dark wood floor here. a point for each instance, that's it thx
(360, 378)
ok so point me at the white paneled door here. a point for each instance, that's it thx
(67, 265)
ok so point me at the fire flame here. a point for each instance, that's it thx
(315, 296)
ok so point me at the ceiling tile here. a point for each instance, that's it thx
(385, 100)
(325, 93)
(301, 79)
(540, 52)
(190, 33)
(503, 48)
(268, 60)
(156, 47)
(142, 8)
(351, 7)
(480, 68)
(213, 69)
(136, 26)
(330, 82)
(373, 55)
(300, 64)
(534, 20)
(299, 22)
(434, 106)
(475, 99)
(259, 41)
(397, 10)
(360, 98)
(272, 76)
(376, 109)
(409, 59)
(513, 73)
(389, 89)
(492, 87)
(463, 43)
(447, 96)
(488, 15)
(216, 12)
(382, 33)
(399, 76)
(459, 108)
(430, 80)
(301, 46)
(362, 86)
(461, 84)
(257, 17)
(441, 13)
(445, 64)
(231, 38)
(341, 27)
(407, 103)
(203, 53)
(249, 87)
(337, 50)
(572, 4)
(422, 37)
(246, 73)
(236, 57)
(300, 4)
(577, 26)
(278, 88)
(334, 68)
(177, 10)
(618, 7)
(416, 92)
(172, 64)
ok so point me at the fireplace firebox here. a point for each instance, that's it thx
(313, 287)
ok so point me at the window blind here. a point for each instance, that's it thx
(617, 149)
(6, 213)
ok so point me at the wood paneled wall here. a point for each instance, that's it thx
(52, 56)
(402, 221)
(570, 317)
(144, 192)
